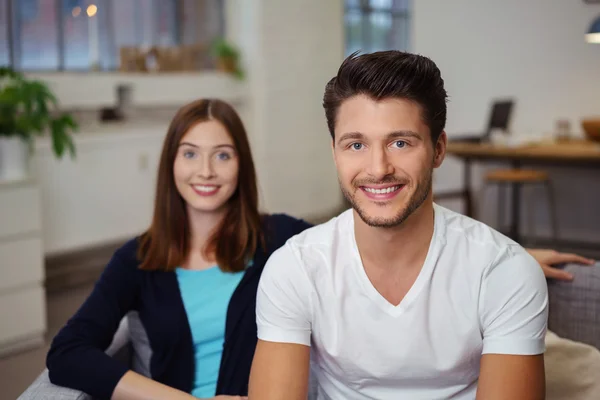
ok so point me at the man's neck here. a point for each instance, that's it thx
(398, 247)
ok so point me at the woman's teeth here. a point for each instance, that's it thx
(205, 188)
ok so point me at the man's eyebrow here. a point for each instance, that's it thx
(351, 135)
(389, 136)
(404, 134)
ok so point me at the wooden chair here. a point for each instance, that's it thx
(516, 179)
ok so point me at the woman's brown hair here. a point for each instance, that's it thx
(166, 244)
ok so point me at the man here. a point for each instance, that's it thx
(397, 298)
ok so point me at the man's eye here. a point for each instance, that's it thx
(400, 143)
(357, 146)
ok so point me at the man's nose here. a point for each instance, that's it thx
(380, 165)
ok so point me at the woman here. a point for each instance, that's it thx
(192, 276)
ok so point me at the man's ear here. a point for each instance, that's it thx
(440, 150)
(333, 148)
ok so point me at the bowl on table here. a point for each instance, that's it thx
(591, 127)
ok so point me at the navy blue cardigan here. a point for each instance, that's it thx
(77, 360)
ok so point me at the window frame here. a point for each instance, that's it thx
(13, 32)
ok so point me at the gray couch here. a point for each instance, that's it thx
(574, 314)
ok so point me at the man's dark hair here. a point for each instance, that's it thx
(389, 74)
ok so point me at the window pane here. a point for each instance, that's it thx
(148, 22)
(399, 33)
(401, 5)
(352, 3)
(85, 37)
(354, 31)
(381, 4)
(36, 34)
(125, 23)
(380, 24)
(394, 5)
(126, 27)
(166, 23)
(189, 30)
(209, 19)
(4, 48)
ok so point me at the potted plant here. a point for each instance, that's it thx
(228, 58)
(28, 109)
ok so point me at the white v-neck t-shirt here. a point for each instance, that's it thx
(478, 292)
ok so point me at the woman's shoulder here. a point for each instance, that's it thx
(129, 250)
(126, 256)
(281, 227)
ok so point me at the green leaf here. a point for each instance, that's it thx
(58, 140)
(27, 108)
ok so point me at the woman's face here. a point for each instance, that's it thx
(206, 167)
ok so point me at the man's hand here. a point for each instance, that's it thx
(548, 258)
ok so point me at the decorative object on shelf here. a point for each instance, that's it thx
(591, 127)
(228, 58)
(132, 59)
(163, 59)
(28, 108)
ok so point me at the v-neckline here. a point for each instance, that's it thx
(423, 277)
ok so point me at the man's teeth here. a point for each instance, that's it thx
(382, 191)
(203, 188)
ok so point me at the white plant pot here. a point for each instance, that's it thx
(14, 159)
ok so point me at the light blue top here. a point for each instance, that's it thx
(206, 294)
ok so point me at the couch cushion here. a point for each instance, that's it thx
(574, 307)
(142, 352)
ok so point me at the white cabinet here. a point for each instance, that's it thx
(22, 294)
(105, 195)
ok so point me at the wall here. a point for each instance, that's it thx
(292, 49)
(533, 51)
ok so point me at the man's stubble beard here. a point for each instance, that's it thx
(416, 200)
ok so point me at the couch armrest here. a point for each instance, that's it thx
(574, 307)
(43, 389)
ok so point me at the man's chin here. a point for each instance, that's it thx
(390, 218)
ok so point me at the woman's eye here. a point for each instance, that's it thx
(356, 146)
(400, 143)
(223, 156)
(189, 154)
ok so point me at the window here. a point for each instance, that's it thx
(374, 25)
(82, 34)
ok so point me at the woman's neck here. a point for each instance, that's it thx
(202, 226)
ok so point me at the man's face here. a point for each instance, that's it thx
(385, 158)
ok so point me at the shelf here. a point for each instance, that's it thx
(93, 90)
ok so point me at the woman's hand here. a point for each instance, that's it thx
(548, 258)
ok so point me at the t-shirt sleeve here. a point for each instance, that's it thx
(283, 300)
(514, 305)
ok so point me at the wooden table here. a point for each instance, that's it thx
(572, 153)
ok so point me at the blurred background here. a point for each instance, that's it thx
(523, 79)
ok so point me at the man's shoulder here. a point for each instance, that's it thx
(312, 248)
(323, 235)
(461, 228)
(476, 242)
